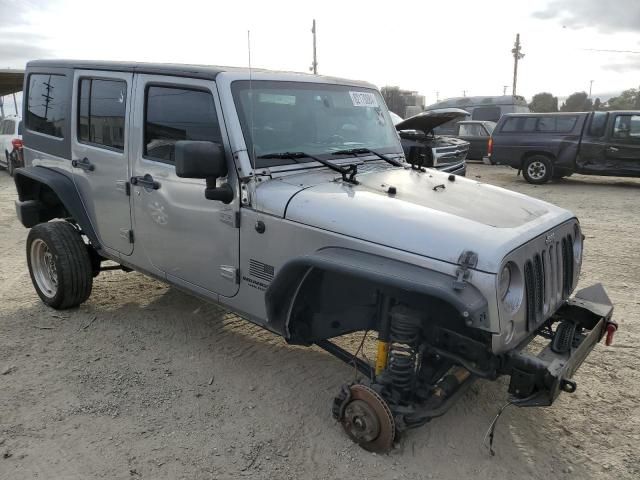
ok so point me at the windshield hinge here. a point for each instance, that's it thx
(467, 261)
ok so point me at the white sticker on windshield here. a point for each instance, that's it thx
(363, 99)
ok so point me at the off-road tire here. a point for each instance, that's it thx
(68, 256)
(537, 169)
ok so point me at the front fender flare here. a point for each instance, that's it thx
(283, 292)
(30, 183)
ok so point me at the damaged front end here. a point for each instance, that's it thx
(579, 325)
(423, 369)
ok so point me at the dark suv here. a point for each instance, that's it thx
(554, 145)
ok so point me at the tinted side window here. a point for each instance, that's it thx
(486, 113)
(627, 128)
(556, 124)
(598, 124)
(173, 114)
(45, 104)
(510, 125)
(101, 112)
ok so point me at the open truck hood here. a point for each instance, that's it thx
(429, 215)
(427, 121)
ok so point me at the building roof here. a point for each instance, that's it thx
(10, 81)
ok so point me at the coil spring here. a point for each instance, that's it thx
(404, 338)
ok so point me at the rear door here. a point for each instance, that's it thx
(623, 145)
(99, 142)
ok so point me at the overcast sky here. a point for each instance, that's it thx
(446, 47)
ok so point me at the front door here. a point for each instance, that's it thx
(192, 240)
(99, 142)
(623, 146)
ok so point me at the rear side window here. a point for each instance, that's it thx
(173, 114)
(46, 104)
(101, 112)
(550, 124)
(491, 114)
(511, 124)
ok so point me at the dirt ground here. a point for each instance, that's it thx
(143, 381)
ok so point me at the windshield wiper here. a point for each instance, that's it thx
(361, 151)
(348, 173)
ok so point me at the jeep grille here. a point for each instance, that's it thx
(548, 277)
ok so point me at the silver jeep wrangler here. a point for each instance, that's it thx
(287, 198)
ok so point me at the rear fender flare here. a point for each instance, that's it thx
(39, 191)
(286, 292)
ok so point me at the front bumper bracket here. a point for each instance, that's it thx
(537, 381)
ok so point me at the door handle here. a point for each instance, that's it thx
(145, 181)
(84, 164)
(613, 149)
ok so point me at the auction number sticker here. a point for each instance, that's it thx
(363, 99)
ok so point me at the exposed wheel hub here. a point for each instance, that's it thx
(367, 420)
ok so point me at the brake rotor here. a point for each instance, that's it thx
(368, 421)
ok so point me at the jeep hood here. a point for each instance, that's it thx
(427, 121)
(429, 215)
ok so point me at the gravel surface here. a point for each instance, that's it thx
(143, 381)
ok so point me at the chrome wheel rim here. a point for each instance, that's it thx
(537, 170)
(43, 267)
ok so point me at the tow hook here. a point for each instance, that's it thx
(612, 328)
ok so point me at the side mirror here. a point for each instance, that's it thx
(197, 159)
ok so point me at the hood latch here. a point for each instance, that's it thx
(467, 261)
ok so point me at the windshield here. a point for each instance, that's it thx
(314, 118)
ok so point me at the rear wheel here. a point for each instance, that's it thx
(59, 264)
(537, 169)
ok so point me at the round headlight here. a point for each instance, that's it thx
(577, 244)
(505, 281)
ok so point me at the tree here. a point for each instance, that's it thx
(577, 102)
(597, 104)
(544, 102)
(627, 100)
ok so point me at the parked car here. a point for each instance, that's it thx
(489, 108)
(477, 134)
(443, 153)
(554, 145)
(10, 142)
(300, 214)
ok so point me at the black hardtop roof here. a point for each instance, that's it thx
(208, 72)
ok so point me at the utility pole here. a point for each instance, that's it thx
(437, 96)
(314, 65)
(517, 55)
(504, 89)
(590, 85)
(15, 103)
(464, 93)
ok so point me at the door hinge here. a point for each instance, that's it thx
(127, 188)
(230, 218)
(127, 234)
(230, 273)
(467, 261)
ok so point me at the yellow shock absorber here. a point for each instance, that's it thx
(381, 356)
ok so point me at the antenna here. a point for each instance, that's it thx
(253, 147)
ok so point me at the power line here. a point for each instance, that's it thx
(610, 51)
